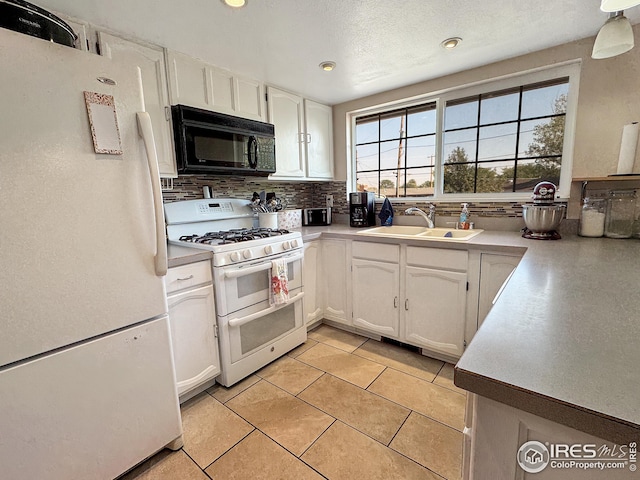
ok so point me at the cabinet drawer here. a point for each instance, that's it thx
(185, 276)
(438, 258)
(376, 251)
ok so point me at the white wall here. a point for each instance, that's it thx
(609, 99)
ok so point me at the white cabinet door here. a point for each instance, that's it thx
(193, 336)
(286, 113)
(312, 300)
(221, 90)
(198, 84)
(188, 81)
(434, 309)
(151, 68)
(376, 296)
(335, 289)
(495, 270)
(319, 140)
(248, 98)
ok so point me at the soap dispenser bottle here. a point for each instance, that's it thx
(464, 217)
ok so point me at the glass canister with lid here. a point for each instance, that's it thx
(592, 217)
(621, 206)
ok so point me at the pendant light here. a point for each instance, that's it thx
(615, 37)
(617, 5)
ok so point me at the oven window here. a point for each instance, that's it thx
(265, 329)
(253, 283)
(259, 282)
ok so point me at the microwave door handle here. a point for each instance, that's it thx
(252, 152)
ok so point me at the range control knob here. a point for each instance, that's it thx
(235, 256)
(294, 243)
(268, 249)
(286, 245)
(247, 254)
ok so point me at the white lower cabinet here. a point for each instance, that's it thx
(495, 271)
(498, 431)
(312, 275)
(192, 319)
(435, 308)
(376, 296)
(414, 294)
(335, 289)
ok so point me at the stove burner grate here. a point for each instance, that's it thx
(234, 235)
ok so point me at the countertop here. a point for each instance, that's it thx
(561, 342)
(178, 255)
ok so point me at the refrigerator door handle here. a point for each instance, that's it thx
(145, 130)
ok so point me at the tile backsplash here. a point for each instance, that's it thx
(292, 194)
(312, 194)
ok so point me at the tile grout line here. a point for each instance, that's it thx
(334, 419)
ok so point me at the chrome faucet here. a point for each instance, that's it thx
(429, 217)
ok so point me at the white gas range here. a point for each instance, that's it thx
(252, 330)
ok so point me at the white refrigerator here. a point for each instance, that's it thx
(87, 383)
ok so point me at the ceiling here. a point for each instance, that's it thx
(377, 45)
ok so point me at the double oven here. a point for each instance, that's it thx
(252, 330)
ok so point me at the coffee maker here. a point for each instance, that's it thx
(362, 209)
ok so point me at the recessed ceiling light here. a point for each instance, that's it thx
(235, 3)
(451, 43)
(328, 66)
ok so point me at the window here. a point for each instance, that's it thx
(505, 141)
(395, 152)
(496, 139)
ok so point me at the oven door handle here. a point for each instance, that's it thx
(236, 322)
(241, 272)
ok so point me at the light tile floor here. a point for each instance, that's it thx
(340, 406)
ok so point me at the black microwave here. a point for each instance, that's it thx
(211, 142)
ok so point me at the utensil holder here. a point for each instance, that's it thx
(268, 220)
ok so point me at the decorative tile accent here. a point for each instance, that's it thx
(292, 194)
(312, 195)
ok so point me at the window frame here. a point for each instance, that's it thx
(570, 69)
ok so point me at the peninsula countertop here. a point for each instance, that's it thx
(563, 339)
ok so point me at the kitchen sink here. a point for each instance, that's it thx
(438, 233)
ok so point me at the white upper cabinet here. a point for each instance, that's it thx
(198, 84)
(249, 98)
(151, 68)
(188, 79)
(304, 136)
(286, 113)
(319, 140)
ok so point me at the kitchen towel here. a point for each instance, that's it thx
(386, 213)
(279, 282)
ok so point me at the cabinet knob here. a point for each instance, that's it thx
(406, 304)
(395, 302)
(185, 278)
